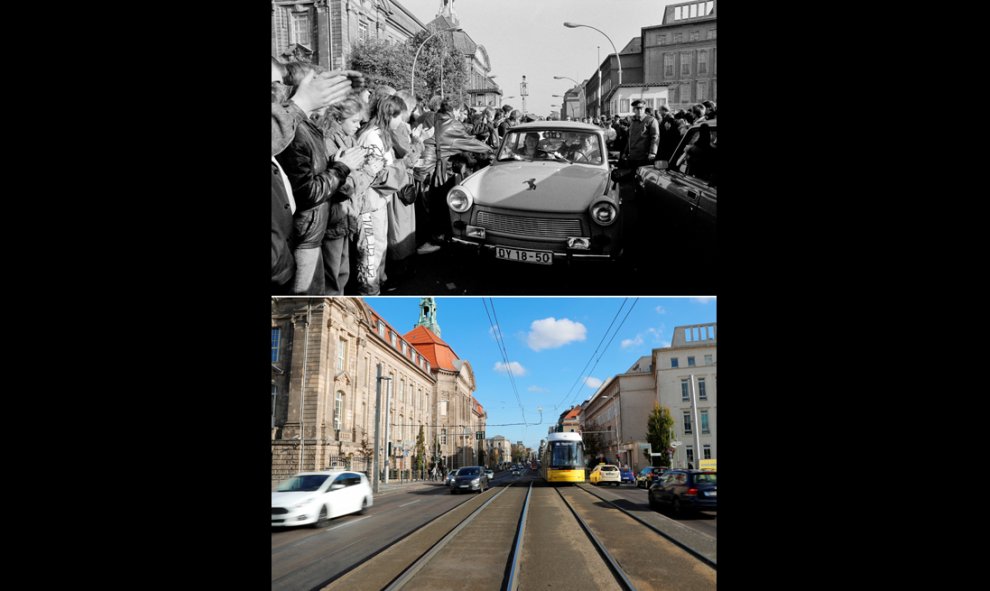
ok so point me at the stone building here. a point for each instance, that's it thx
(481, 90)
(681, 52)
(323, 31)
(619, 411)
(685, 370)
(326, 355)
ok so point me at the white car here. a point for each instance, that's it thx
(317, 497)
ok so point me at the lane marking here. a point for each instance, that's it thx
(346, 524)
(410, 503)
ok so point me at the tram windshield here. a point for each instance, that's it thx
(566, 454)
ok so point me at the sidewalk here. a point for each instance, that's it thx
(406, 485)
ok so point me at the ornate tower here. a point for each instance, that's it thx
(447, 10)
(428, 315)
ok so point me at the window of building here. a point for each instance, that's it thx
(405, 349)
(674, 362)
(695, 36)
(427, 366)
(685, 393)
(276, 342)
(678, 38)
(702, 62)
(709, 7)
(363, 30)
(443, 408)
(274, 396)
(690, 454)
(685, 64)
(704, 422)
(341, 355)
(394, 340)
(402, 392)
(661, 39)
(702, 90)
(694, 10)
(623, 105)
(299, 28)
(381, 329)
(649, 102)
(677, 13)
(711, 33)
(687, 422)
(690, 361)
(706, 450)
(685, 92)
(702, 394)
(338, 410)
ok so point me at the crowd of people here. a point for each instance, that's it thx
(360, 175)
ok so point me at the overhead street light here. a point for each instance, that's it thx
(566, 78)
(619, 59)
(412, 80)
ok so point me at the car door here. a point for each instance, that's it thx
(354, 493)
(337, 499)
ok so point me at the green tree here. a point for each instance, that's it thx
(382, 62)
(437, 51)
(659, 433)
(421, 452)
(367, 451)
(594, 443)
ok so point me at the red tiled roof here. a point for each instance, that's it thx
(429, 345)
(574, 412)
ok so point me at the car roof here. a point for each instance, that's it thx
(561, 125)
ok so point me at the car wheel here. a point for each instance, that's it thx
(364, 506)
(322, 520)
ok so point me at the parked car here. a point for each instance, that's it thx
(469, 478)
(627, 475)
(685, 490)
(450, 477)
(553, 202)
(685, 193)
(317, 497)
(605, 473)
(647, 475)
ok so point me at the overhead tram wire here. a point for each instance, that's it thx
(613, 337)
(581, 373)
(497, 330)
(505, 351)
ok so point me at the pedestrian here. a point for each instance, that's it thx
(644, 137)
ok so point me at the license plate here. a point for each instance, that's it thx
(711, 493)
(465, 485)
(538, 257)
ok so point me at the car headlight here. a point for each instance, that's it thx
(476, 481)
(459, 199)
(604, 213)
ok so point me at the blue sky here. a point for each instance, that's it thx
(549, 342)
(527, 37)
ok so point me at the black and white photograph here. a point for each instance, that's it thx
(457, 147)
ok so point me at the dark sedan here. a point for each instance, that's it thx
(685, 490)
(469, 478)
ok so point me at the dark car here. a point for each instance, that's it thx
(647, 475)
(684, 192)
(626, 475)
(685, 490)
(469, 478)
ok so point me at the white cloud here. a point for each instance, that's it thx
(537, 389)
(550, 333)
(592, 382)
(704, 299)
(626, 343)
(664, 344)
(513, 368)
(661, 310)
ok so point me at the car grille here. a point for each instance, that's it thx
(279, 511)
(529, 226)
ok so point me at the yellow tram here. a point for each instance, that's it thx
(563, 458)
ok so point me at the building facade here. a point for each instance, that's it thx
(619, 412)
(604, 82)
(681, 52)
(481, 90)
(326, 355)
(687, 384)
(322, 31)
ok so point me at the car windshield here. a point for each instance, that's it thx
(302, 483)
(469, 472)
(578, 147)
(696, 154)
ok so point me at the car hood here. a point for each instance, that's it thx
(560, 187)
(465, 478)
(287, 499)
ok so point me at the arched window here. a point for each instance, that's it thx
(338, 411)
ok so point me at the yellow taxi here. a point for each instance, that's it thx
(605, 473)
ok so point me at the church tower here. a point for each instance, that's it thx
(447, 10)
(428, 315)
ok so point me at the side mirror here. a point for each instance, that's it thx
(336, 486)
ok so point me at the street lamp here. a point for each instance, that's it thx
(618, 59)
(566, 78)
(412, 80)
